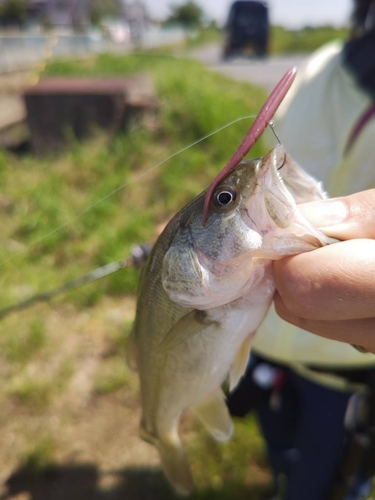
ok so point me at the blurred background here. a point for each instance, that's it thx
(95, 95)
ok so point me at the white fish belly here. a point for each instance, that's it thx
(198, 365)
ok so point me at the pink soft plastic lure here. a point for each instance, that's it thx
(256, 130)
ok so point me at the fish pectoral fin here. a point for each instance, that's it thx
(173, 459)
(240, 362)
(214, 414)
(187, 326)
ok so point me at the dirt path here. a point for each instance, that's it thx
(78, 443)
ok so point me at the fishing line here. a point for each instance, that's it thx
(132, 181)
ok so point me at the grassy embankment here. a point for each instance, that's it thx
(283, 40)
(62, 364)
(304, 40)
(66, 394)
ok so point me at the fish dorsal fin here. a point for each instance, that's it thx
(214, 414)
(240, 363)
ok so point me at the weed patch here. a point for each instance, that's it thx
(63, 364)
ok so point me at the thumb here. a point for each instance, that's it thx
(344, 218)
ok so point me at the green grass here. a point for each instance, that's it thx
(282, 40)
(112, 375)
(38, 454)
(27, 343)
(61, 218)
(304, 40)
(65, 214)
(62, 364)
(36, 389)
(205, 36)
(33, 393)
(233, 462)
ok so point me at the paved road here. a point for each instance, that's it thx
(266, 72)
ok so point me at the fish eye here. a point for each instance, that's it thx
(224, 197)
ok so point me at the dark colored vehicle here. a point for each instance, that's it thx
(247, 29)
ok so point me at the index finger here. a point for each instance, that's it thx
(344, 218)
(336, 282)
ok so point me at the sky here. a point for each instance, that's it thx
(288, 13)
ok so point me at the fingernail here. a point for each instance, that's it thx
(324, 213)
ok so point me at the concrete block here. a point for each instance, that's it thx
(59, 108)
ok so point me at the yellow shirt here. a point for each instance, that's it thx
(314, 123)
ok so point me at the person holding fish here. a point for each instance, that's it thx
(211, 277)
(310, 391)
(208, 284)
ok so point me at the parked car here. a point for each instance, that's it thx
(247, 29)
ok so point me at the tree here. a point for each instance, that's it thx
(189, 15)
(100, 9)
(13, 11)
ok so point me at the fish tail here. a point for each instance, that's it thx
(173, 458)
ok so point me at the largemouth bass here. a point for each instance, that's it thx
(205, 290)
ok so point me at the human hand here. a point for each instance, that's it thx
(331, 291)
